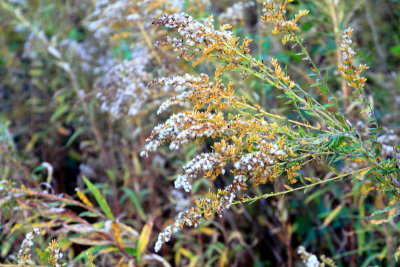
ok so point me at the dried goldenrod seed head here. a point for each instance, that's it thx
(56, 255)
(349, 70)
(274, 13)
(235, 15)
(24, 254)
(123, 90)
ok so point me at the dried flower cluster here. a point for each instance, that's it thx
(24, 254)
(258, 151)
(206, 207)
(350, 71)
(246, 148)
(201, 40)
(196, 90)
(90, 55)
(309, 260)
(123, 90)
(274, 12)
(235, 15)
(56, 255)
(280, 75)
(111, 14)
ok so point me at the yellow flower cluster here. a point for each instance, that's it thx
(198, 90)
(274, 12)
(55, 254)
(349, 70)
(281, 75)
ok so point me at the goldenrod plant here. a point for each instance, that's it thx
(251, 146)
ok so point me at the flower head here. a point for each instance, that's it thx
(349, 70)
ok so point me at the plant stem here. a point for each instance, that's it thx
(300, 188)
(280, 117)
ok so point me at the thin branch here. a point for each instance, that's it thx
(300, 188)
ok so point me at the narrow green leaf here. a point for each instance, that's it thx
(73, 137)
(323, 89)
(328, 105)
(332, 215)
(100, 199)
(395, 50)
(136, 202)
(59, 112)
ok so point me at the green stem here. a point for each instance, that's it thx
(280, 117)
(316, 70)
(300, 188)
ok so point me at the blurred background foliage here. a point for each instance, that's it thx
(74, 171)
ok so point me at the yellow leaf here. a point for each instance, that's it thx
(397, 254)
(143, 240)
(187, 253)
(132, 233)
(193, 262)
(332, 215)
(362, 174)
(379, 221)
(84, 198)
(106, 250)
(155, 4)
(178, 257)
(117, 233)
(223, 261)
(207, 230)
(63, 131)
(26, 223)
(288, 187)
(136, 164)
(119, 36)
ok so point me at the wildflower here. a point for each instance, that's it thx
(198, 90)
(235, 15)
(196, 33)
(91, 55)
(24, 253)
(208, 164)
(244, 145)
(108, 14)
(201, 40)
(189, 217)
(55, 254)
(349, 70)
(274, 12)
(309, 260)
(281, 75)
(123, 90)
(205, 208)
(183, 127)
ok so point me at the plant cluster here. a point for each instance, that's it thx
(244, 144)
